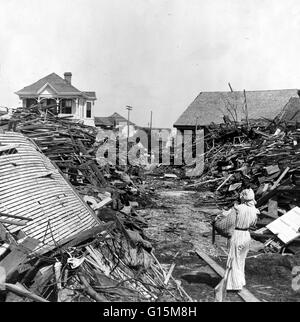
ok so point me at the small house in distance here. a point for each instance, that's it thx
(53, 90)
(111, 122)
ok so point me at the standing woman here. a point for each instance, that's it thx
(246, 216)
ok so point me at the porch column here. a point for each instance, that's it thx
(57, 106)
(38, 100)
(77, 108)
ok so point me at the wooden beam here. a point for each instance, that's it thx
(287, 169)
(9, 222)
(244, 293)
(272, 208)
(246, 109)
(227, 179)
(15, 217)
(20, 290)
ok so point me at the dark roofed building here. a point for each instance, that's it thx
(119, 119)
(211, 107)
(104, 122)
(53, 90)
(111, 122)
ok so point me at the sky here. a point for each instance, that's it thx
(154, 55)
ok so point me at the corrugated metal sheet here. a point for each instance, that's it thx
(32, 187)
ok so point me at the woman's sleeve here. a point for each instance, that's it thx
(254, 221)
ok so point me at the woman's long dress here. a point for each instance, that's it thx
(240, 245)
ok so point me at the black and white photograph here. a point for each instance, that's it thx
(149, 154)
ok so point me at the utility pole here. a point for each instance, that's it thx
(246, 110)
(151, 121)
(230, 87)
(128, 108)
(150, 139)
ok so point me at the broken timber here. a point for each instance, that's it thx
(244, 293)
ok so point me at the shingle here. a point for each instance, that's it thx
(120, 119)
(210, 107)
(58, 83)
(103, 121)
(91, 95)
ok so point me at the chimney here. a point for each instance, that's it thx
(68, 77)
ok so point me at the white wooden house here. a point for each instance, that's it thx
(55, 90)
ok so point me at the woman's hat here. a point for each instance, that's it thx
(247, 195)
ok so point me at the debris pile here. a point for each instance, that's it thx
(262, 157)
(69, 231)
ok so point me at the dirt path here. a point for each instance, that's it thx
(176, 224)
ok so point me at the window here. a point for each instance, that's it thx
(66, 107)
(30, 102)
(88, 109)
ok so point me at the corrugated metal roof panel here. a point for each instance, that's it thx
(32, 187)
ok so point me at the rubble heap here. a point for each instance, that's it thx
(264, 157)
(42, 256)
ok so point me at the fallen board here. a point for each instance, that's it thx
(287, 226)
(244, 293)
(272, 208)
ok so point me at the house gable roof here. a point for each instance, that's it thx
(90, 95)
(210, 107)
(120, 119)
(112, 120)
(48, 89)
(58, 84)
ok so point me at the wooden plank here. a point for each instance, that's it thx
(20, 290)
(13, 223)
(244, 293)
(15, 217)
(227, 179)
(8, 147)
(287, 169)
(272, 169)
(272, 208)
